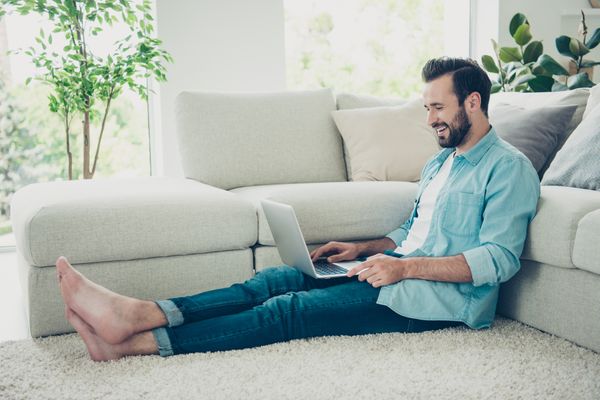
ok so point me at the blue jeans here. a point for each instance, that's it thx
(276, 305)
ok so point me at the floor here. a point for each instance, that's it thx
(12, 306)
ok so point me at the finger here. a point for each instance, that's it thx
(362, 268)
(378, 283)
(318, 252)
(373, 272)
(358, 268)
(363, 276)
(339, 257)
(325, 249)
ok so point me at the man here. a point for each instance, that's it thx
(442, 268)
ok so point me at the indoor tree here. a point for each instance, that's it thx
(83, 83)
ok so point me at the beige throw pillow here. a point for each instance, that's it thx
(387, 143)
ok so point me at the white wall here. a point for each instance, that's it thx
(238, 45)
(218, 45)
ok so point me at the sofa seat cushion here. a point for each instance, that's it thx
(126, 219)
(337, 210)
(586, 250)
(553, 231)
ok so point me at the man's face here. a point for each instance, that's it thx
(448, 118)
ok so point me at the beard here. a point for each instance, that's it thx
(458, 130)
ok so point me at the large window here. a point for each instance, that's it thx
(32, 139)
(376, 47)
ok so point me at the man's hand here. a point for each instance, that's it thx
(336, 251)
(380, 270)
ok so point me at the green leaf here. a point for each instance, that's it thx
(496, 87)
(559, 87)
(578, 48)
(509, 54)
(533, 51)
(27, 81)
(550, 65)
(562, 45)
(580, 80)
(495, 47)
(522, 88)
(524, 79)
(589, 63)
(523, 35)
(594, 39)
(517, 20)
(541, 84)
(511, 75)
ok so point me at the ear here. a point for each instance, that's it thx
(473, 102)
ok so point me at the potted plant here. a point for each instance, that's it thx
(526, 69)
(574, 49)
(84, 84)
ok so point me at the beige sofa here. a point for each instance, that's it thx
(161, 237)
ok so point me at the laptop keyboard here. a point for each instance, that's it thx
(324, 268)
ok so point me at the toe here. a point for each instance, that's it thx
(62, 266)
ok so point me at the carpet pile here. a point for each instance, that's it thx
(508, 361)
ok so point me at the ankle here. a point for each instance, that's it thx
(152, 315)
(139, 344)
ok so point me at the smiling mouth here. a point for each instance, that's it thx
(441, 129)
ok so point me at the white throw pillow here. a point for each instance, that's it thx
(387, 143)
(593, 100)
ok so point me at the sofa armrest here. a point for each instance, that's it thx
(552, 232)
(126, 219)
(586, 250)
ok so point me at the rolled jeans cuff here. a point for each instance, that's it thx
(174, 316)
(163, 342)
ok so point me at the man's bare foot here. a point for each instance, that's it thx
(112, 317)
(99, 350)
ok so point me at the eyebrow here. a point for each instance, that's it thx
(432, 105)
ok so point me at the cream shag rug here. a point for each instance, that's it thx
(508, 361)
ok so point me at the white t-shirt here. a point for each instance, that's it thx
(420, 227)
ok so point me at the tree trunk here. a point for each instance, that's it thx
(4, 61)
(87, 174)
(69, 153)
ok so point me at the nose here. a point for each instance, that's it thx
(431, 117)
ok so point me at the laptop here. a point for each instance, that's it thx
(292, 247)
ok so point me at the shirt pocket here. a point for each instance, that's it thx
(463, 214)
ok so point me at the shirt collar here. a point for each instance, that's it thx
(475, 154)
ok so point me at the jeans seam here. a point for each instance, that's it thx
(277, 319)
(185, 309)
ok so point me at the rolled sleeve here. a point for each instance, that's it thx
(400, 234)
(511, 203)
(481, 265)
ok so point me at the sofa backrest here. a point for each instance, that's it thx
(231, 140)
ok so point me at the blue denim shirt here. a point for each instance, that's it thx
(483, 212)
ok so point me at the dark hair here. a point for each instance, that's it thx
(467, 77)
